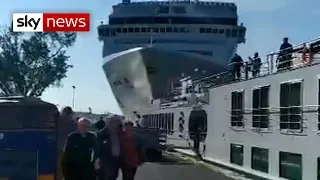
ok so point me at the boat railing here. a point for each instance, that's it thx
(271, 65)
(291, 119)
(299, 56)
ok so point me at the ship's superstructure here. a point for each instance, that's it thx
(149, 45)
(267, 126)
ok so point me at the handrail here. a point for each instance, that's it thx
(269, 63)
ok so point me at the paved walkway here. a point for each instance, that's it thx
(176, 168)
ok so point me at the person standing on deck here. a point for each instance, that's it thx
(285, 55)
(80, 153)
(236, 63)
(65, 125)
(256, 65)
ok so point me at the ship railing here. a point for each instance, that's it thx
(270, 65)
(289, 120)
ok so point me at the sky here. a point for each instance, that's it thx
(267, 22)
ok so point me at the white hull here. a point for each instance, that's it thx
(138, 87)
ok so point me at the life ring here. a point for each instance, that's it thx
(306, 56)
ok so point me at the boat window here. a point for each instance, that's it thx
(101, 32)
(182, 29)
(166, 121)
(169, 29)
(161, 121)
(157, 121)
(152, 120)
(260, 159)
(208, 30)
(228, 32)
(260, 105)
(107, 32)
(118, 30)
(221, 31)
(236, 154)
(163, 9)
(179, 9)
(215, 31)
(234, 33)
(130, 30)
(144, 121)
(137, 30)
(126, 80)
(162, 30)
(318, 104)
(112, 32)
(155, 29)
(290, 105)
(176, 30)
(124, 30)
(290, 166)
(202, 30)
(143, 29)
(174, 20)
(241, 33)
(237, 108)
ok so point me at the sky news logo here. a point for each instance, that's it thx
(51, 22)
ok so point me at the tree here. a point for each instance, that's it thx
(32, 62)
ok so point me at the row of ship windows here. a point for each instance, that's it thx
(183, 2)
(174, 20)
(290, 106)
(164, 121)
(115, 31)
(290, 164)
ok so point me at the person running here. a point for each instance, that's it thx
(80, 153)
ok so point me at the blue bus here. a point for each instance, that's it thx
(28, 147)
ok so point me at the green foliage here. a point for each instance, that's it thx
(32, 62)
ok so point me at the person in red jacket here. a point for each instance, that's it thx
(132, 152)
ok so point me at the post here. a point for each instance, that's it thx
(73, 96)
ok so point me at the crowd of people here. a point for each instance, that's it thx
(253, 65)
(97, 156)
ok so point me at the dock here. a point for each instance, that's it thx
(176, 166)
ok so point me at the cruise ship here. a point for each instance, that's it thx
(149, 45)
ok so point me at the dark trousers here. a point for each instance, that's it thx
(110, 170)
(87, 173)
(236, 73)
(129, 173)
